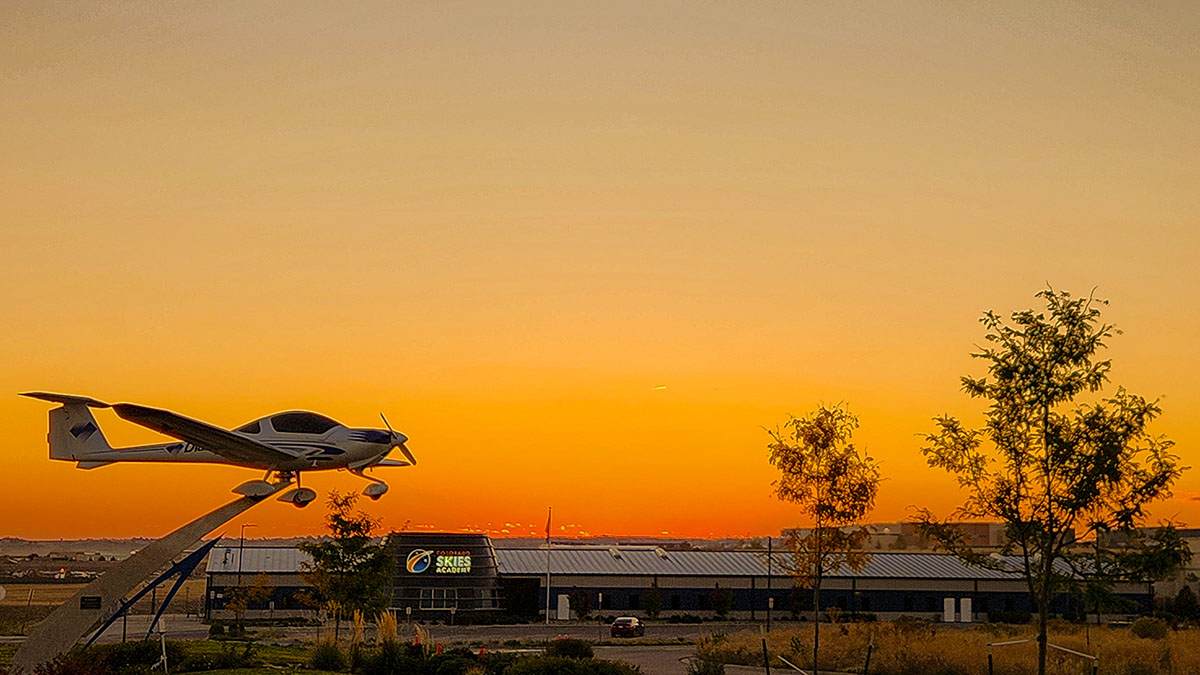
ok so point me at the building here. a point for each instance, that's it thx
(439, 575)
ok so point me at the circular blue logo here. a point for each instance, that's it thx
(418, 560)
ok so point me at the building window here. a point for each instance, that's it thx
(983, 605)
(676, 602)
(635, 601)
(908, 603)
(864, 603)
(703, 601)
(930, 604)
(841, 602)
(439, 598)
(250, 428)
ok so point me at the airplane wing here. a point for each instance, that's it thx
(212, 438)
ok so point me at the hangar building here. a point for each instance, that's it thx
(438, 575)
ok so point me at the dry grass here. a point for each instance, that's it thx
(931, 649)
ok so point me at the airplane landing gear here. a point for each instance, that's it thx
(300, 497)
(376, 489)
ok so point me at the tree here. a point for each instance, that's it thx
(1053, 468)
(835, 484)
(242, 598)
(722, 600)
(1185, 605)
(349, 570)
(581, 602)
(652, 601)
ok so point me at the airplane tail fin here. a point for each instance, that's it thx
(74, 432)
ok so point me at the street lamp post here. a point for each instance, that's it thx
(241, 549)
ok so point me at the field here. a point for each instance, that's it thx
(920, 648)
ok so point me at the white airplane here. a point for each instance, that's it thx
(284, 444)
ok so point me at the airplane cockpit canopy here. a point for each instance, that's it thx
(302, 423)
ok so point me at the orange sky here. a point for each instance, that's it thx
(506, 227)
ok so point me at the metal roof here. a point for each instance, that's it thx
(270, 559)
(649, 561)
(645, 561)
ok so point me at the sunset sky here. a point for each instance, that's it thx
(581, 253)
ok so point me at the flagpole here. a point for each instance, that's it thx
(549, 511)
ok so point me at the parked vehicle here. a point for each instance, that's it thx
(627, 626)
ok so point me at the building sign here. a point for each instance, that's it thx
(453, 562)
(443, 562)
(90, 602)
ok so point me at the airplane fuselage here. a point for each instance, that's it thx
(310, 454)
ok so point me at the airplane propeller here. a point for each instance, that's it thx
(398, 440)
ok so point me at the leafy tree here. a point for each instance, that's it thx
(1185, 605)
(722, 599)
(1054, 469)
(581, 602)
(652, 601)
(242, 598)
(835, 484)
(350, 570)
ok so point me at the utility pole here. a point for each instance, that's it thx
(549, 512)
(241, 549)
(770, 600)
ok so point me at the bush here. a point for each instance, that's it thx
(68, 664)
(683, 618)
(229, 657)
(388, 658)
(550, 665)
(216, 630)
(327, 656)
(571, 648)
(131, 657)
(581, 602)
(1001, 616)
(1146, 627)
(1185, 605)
(705, 667)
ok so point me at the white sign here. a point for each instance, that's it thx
(564, 608)
(964, 613)
(948, 610)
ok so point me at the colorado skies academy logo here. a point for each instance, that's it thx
(444, 562)
(418, 560)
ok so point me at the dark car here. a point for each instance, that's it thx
(627, 626)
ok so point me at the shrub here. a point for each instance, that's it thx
(496, 664)
(1015, 617)
(581, 602)
(551, 665)
(388, 658)
(327, 656)
(705, 667)
(722, 601)
(571, 648)
(229, 657)
(216, 630)
(1146, 627)
(69, 664)
(1185, 605)
(126, 657)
